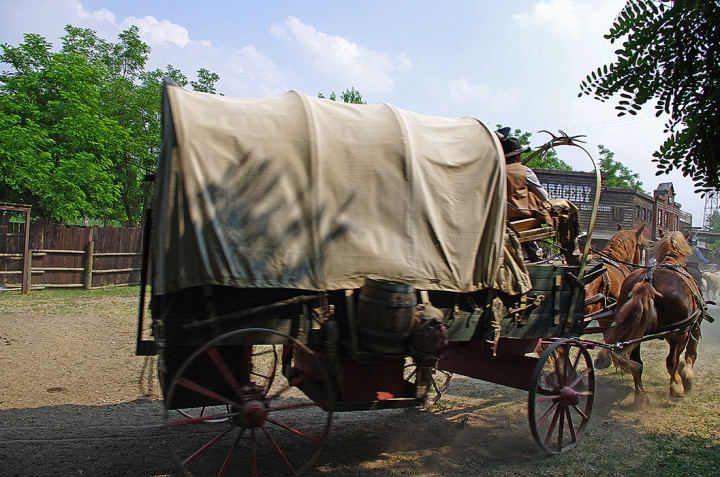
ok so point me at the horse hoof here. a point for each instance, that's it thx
(641, 401)
(603, 360)
(676, 391)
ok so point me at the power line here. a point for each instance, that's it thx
(620, 122)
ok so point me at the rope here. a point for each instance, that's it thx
(691, 322)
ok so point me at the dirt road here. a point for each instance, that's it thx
(76, 401)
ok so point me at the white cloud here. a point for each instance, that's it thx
(258, 69)
(480, 97)
(101, 15)
(243, 72)
(570, 18)
(460, 90)
(335, 56)
(156, 32)
(403, 62)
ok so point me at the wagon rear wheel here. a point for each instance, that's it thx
(253, 420)
(561, 395)
(269, 356)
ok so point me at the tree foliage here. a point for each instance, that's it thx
(670, 56)
(713, 224)
(616, 174)
(80, 127)
(351, 95)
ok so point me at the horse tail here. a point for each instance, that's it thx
(634, 320)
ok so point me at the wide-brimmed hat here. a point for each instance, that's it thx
(512, 147)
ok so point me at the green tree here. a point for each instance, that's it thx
(548, 160)
(206, 81)
(57, 144)
(670, 57)
(352, 96)
(616, 174)
(331, 98)
(714, 221)
(713, 224)
(349, 96)
(80, 128)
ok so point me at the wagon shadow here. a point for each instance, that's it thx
(124, 439)
(486, 436)
(128, 439)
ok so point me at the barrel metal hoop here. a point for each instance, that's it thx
(386, 302)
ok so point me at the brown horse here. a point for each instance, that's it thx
(623, 250)
(664, 299)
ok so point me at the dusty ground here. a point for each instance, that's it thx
(75, 400)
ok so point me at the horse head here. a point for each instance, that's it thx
(626, 245)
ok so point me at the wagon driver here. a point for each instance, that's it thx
(525, 194)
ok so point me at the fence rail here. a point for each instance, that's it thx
(69, 256)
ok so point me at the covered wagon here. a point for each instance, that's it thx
(307, 257)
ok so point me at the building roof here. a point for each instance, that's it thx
(665, 187)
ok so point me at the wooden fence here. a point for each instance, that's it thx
(70, 256)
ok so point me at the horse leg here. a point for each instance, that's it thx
(685, 368)
(641, 398)
(672, 362)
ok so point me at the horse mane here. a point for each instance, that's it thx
(621, 246)
(672, 248)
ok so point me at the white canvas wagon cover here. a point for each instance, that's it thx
(305, 193)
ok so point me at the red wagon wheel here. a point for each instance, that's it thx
(255, 421)
(437, 383)
(561, 395)
(259, 354)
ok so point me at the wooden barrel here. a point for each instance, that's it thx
(386, 314)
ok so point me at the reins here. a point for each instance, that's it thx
(603, 257)
(688, 325)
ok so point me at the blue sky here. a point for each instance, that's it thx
(516, 63)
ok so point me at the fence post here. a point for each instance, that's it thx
(89, 264)
(27, 273)
(26, 276)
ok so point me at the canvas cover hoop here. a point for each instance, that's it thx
(304, 193)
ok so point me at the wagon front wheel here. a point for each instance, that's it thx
(561, 395)
(256, 421)
(429, 382)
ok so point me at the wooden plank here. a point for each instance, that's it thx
(19, 272)
(522, 225)
(535, 234)
(117, 254)
(63, 285)
(117, 270)
(79, 252)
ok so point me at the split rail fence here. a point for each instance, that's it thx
(69, 256)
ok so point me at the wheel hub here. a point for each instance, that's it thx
(254, 414)
(569, 397)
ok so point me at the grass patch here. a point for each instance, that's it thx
(676, 456)
(112, 300)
